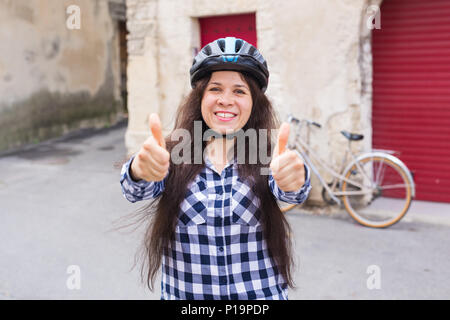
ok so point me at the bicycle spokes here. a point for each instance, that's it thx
(376, 192)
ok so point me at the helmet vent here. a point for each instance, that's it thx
(251, 50)
(207, 50)
(238, 45)
(221, 44)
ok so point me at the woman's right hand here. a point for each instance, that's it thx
(152, 161)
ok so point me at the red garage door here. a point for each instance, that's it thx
(411, 90)
(241, 26)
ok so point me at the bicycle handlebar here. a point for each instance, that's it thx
(291, 118)
(318, 125)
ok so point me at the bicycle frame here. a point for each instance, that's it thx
(300, 150)
(303, 149)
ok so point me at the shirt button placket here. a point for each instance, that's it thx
(222, 270)
(221, 249)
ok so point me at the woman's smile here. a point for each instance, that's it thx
(225, 115)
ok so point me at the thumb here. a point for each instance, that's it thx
(155, 128)
(283, 137)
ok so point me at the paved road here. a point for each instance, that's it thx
(59, 201)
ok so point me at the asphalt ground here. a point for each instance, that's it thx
(61, 200)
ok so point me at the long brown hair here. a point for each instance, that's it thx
(161, 214)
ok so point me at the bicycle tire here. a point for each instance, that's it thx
(358, 206)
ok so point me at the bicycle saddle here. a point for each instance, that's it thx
(352, 136)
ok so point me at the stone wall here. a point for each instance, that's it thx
(54, 79)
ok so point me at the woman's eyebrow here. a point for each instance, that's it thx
(236, 85)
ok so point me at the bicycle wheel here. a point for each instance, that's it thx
(379, 193)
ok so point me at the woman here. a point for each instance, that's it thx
(215, 225)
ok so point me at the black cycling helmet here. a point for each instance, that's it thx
(230, 54)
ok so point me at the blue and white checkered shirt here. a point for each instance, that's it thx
(219, 251)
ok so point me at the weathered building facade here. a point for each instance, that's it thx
(59, 67)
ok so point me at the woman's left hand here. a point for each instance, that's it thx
(287, 167)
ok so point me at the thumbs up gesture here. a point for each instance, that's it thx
(152, 161)
(287, 167)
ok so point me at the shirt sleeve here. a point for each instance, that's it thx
(297, 196)
(135, 191)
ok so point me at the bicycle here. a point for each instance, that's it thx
(376, 188)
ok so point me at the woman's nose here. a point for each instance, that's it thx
(225, 99)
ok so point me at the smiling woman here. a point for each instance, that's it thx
(215, 226)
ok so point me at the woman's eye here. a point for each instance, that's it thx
(236, 91)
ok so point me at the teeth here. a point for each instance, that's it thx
(225, 115)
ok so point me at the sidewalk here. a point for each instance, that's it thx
(437, 213)
(429, 212)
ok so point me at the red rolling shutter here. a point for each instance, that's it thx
(411, 90)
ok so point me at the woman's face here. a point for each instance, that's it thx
(227, 102)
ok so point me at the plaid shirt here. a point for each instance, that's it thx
(219, 251)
